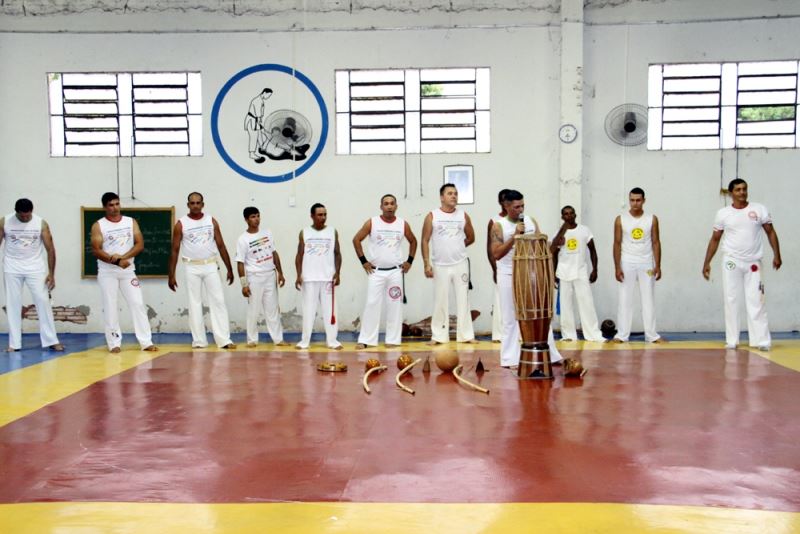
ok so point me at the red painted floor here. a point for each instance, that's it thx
(691, 427)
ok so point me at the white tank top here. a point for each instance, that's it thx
(318, 254)
(198, 237)
(384, 242)
(117, 240)
(505, 265)
(24, 248)
(637, 242)
(448, 237)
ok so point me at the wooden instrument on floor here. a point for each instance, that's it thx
(534, 288)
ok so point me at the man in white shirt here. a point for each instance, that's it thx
(739, 228)
(450, 231)
(515, 222)
(199, 235)
(570, 246)
(257, 263)
(385, 268)
(116, 241)
(27, 237)
(497, 320)
(637, 261)
(318, 263)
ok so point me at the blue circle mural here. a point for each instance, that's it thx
(277, 139)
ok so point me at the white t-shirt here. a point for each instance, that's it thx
(448, 236)
(384, 242)
(24, 248)
(198, 237)
(742, 236)
(573, 254)
(117, 240)
(319, 263)
(505, 265)
(637, 238)
(255, 251)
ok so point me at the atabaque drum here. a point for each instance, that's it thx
(534, 288)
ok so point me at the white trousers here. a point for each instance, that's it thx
(581, 290)
(111, 284)
(510, 342)
(634, 274)
(739, 277)
(41, 299)
(197, 277)
(263, 300)
(497, 316)
(443, 276)
(383, 286)
(318, 294)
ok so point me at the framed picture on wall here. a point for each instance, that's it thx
(461, 176)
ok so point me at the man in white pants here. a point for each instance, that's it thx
(198, 233)
(739, 227)
(257, 263)
(318, 262)
(497, 320)
(116, 241)
(450, 231)
(27, 237)
(570, 246)
(637, 261)
(385, 269)
(515, 222)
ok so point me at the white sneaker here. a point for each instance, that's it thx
(301, 347)
(764, 348)
(728, 346)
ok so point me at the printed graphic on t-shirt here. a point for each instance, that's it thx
(119, 238)
(447, 228)
(317, 246)
(260, 250)
(572, 244)
(200, 235)
(389, 238)
(637, 233)
(23, 238)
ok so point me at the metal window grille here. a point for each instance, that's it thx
(125, 114)
(723, 105)
(412, 111)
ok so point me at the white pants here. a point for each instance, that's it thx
(263, 300)
(634, 274)
(111, 284)
(582, 291)
(41, 299)
(497, 316)
(510, 342)
(198, 276)
(443, 275)
(318, 294)
(739, 277)
(383, 286)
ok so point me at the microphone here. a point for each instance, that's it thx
(521, 220)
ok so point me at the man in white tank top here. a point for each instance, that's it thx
(318, 262)
(116, 241)
(572, 246)
(27, 236)
(497, 320)
(199, 235)
(385, 267)
(739, 228)
(260, 273)
(450, 231)
(637, 261)
(515, 222)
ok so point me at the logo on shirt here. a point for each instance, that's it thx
(317, 247)
(572, 243)
(637, 233)
(448, 228)
(752, 215)
(389, 238)
(395, 292)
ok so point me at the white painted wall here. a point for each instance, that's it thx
(522, 48)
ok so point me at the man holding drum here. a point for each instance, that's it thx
(637, 261)
(515, 222)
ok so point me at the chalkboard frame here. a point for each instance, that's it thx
(87, 256)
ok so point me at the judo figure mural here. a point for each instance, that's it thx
(280, 121)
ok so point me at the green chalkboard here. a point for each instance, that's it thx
(156, 226)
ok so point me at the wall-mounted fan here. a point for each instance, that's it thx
(626, 124)
(287, 135)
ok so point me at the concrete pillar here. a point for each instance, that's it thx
(571, 153)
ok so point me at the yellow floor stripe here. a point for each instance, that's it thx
(354, 518)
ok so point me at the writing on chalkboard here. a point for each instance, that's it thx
(156, 226)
